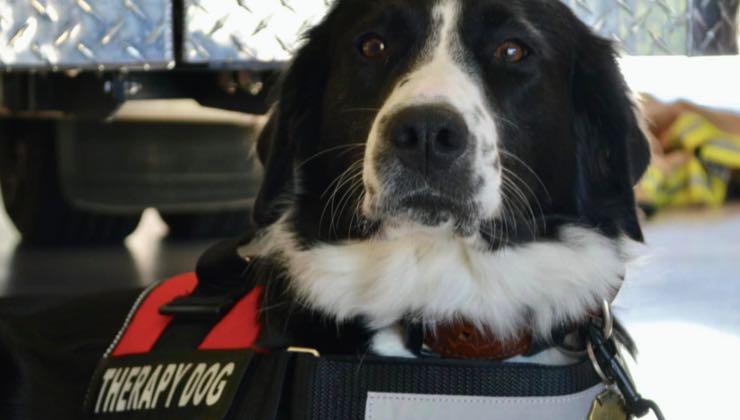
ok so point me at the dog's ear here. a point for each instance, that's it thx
(293, 125)
(613, 150)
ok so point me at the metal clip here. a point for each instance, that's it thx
(604, 354)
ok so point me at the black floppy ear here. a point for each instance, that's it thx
(613, 150)
(293, 125)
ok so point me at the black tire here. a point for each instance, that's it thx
(211, 225)
(31, 191)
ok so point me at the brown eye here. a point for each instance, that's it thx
(511, 52)
(372, 46)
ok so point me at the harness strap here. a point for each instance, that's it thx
(147, 324)
(240, 327)
(281, 385)
(149, 328)
(318, 382)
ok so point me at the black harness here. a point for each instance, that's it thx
(272, 377)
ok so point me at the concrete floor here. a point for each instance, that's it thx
(146, 257)
(681, 300)
(682, 305)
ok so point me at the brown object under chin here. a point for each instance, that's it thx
(462, 340)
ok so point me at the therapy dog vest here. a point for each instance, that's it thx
(190, 348)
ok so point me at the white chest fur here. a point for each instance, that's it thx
(538, 285)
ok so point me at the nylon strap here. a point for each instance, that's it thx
(329, 388)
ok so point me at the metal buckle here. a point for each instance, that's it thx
(607, 328)
(607, 321)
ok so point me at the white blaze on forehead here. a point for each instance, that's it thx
(441, 76)
(438, 75)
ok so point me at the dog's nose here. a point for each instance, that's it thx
(428, 138)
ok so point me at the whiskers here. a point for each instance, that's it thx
(520, 206)
(344, 148)
(506, 121)
(523, 164)
(339, 195)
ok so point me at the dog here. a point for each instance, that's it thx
(445, 160)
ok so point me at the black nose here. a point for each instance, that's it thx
(427, 138)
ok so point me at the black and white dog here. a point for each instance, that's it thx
(439, 160)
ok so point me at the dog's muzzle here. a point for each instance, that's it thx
(425, 165)
(427, 139)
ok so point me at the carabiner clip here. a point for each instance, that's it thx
(603, 352)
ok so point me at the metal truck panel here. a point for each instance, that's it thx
(86, 34)
(262, 33)
(253, 32)
(258, 31)
(664, 27)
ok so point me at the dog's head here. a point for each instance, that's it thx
(484, 117)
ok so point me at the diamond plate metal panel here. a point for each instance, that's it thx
(715, 27)
(664, 27)
(249, 32)
(641, 27)
(82, 34)
(104, 34)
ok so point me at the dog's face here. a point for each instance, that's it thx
(449, 159)
(432, 154)
(495, 119)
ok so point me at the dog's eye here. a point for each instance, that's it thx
(372, 46)
(511, 52)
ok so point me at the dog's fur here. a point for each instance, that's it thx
(523, 232)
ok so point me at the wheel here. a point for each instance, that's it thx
(31, 191)
(188, 226)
